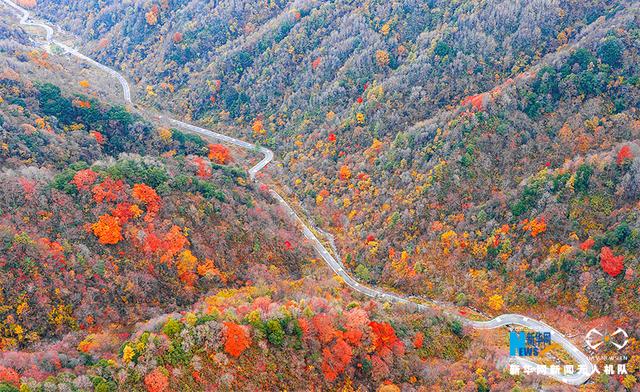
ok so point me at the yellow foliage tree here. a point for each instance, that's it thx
(382, 58)
(496, 302)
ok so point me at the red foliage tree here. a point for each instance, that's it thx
(151, 241)
(98, 136)
(384, 338)
(204, 168)
(587, 244)
(108, 190)
(336, 359)
(304, 326)
(624, 154)
(9, 376)
(611, 264)
(83, 179)
(418, 340)
(322, 323)
(28, 187)
(125, 212)
(156, 381)
(316, 63)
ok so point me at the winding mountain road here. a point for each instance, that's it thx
(585, 367)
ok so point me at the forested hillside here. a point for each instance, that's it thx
(139, 257)
(495, 137)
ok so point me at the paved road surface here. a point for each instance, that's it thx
(580, 358)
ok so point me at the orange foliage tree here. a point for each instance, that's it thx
(536, 226)
(174, 241)
(236, 339)
(147, 195)
(219, 153)
(258, 127)
(344, 173)
(107, 229)
(186, 264)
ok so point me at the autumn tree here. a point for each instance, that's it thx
(108, 190)
(336, 359)
(495, 302)
(384, 338)
(9, 376)
(83, 179)
(219, 154)
(344, 173)
(418, 340)
(316, 63)
(323, 324)
(149, 197)
(236, 339)
(536, 226)
(107, 229)
(587, 244)
(156, 381)
(258, 127)
(624, 155)
(382, 58)
(152, 16)
(186, 264)
(612, 265)
(172, 243)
